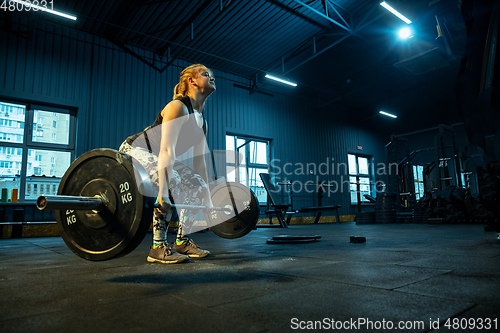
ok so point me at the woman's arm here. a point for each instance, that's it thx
(199, 164)
(200, 167)
(174, 116)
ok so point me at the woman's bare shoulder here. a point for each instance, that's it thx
(174, 109)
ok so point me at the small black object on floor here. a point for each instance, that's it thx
(357, 239)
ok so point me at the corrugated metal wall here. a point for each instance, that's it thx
(117, 95)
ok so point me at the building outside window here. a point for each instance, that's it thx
(246, 167)
(359, 173)
(31, 158)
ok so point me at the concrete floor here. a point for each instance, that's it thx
(404, 272)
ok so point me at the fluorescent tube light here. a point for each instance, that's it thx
(395, 12)
(48, 9)
(280, 80)
(387, 114)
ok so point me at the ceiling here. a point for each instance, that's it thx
(343, 53)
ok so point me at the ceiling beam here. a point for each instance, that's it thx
(315, 54)
(332, 4)
(185, 26)
(132, 53)
(153, 32)
(223, 6)
(299, 15)
(324, 16)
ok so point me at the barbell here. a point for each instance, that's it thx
(101, 211)
(98, 203)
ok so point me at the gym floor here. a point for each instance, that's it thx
(404, 272)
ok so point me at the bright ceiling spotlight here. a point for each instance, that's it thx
(43, 6)
(387, 114)
(395, 12)
(280, 80)
(405, 33)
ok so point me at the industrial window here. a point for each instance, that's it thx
(28, 138)
(418, 176)
(246, 160)
(359, 174)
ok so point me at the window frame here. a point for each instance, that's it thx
(247, 164)
(416, 182)
(28, 143)
(368, 176)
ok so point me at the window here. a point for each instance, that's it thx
(59, 130)
(359, 175)
(31, 160)
(418, 176)
(246, 167)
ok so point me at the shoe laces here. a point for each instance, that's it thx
(166, 247)
(189, 241)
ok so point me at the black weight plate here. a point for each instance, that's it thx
(291, 237)
(247, 207)
(291, 241)
(111, 233)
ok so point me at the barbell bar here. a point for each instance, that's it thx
(98, 203)
(103, 210)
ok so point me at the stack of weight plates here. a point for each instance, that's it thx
(418, 214)
(385, 208)
(404, 217)
(365, 218)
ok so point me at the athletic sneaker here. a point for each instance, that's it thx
(190, 248)
(166, 255)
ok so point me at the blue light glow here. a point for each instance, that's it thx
(405, 33)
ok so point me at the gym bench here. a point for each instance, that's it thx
(283, 211)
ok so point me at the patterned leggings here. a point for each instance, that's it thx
(186, 187)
